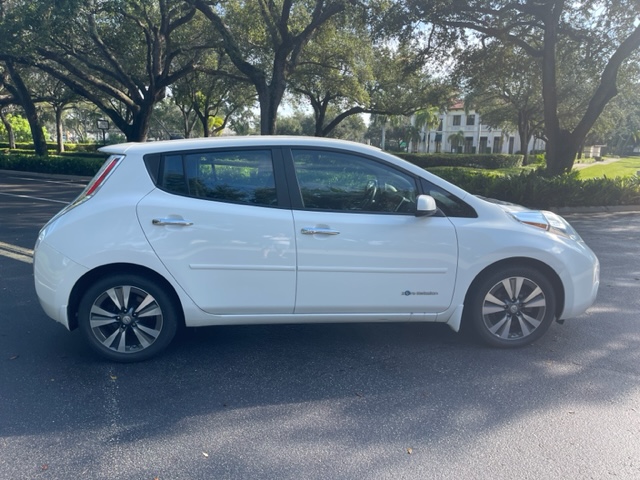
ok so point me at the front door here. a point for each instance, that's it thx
(360, 247)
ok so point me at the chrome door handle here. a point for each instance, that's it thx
(318, 231)
(173, 222)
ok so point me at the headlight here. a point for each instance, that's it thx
(548, 221)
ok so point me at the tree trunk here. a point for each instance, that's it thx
(562, 153)
(320, 116)
(550, 92)
(26, 102)
(10, 133)
(525, 136)
(204, 121)
(270, 97)
(138, 131)
(59, 132)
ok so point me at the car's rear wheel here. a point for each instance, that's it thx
(127, 318)
(512, 307)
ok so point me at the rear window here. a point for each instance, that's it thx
(231, 176)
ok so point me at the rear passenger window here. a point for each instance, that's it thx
(235, 176)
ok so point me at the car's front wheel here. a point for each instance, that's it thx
(127, 318)
(511, 307)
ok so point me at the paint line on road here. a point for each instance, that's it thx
(16, 253)
(71, 183)
(15, 195)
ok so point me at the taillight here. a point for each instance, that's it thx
(97, 181)
(101, 176)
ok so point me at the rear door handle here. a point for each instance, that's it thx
(173, 222)
(318, 231)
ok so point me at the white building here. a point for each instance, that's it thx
(462, 131)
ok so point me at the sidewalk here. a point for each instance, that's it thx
(580, 166)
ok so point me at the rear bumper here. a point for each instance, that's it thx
(54, 276)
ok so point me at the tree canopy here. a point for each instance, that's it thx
(599, 36)
(549, 66)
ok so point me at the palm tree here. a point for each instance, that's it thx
(456, 139)
(383, 121)
(427, 119)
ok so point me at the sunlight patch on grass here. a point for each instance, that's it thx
(621, 168)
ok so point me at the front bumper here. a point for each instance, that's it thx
(584, 288)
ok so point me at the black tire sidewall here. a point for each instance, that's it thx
(167, 305)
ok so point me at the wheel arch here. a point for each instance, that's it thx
(117, 268)
(545, 269)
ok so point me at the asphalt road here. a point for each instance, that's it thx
(319, 401)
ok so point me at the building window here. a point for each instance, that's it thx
(457, 119)
(471, 120)
(483, 145)
(497, 144)
(468, 145)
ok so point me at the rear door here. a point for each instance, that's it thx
(218, 225)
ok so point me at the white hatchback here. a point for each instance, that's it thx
(235, 230)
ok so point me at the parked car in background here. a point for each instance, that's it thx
(248, 230)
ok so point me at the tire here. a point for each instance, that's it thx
(127, 318)
(511, 307)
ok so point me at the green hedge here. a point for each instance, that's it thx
(534, 190)
(68, 164)
(52, 147)
(490, 161)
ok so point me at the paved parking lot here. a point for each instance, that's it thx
(411, 401)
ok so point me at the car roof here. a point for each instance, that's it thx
(254, 141)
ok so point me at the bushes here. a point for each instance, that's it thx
(536, 191)
(69, 164)
(52, 147)
(491, 161)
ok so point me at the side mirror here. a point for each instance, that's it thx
(426, 206)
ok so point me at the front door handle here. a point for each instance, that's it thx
(318, 231)
(173, 222)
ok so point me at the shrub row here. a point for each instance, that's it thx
(534, 190)
(59, 164)
(52, 147)
(490, 161)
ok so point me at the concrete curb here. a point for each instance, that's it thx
(603, 209)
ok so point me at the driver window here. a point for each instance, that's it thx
(343, 182)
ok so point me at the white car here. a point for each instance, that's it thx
(252, 230)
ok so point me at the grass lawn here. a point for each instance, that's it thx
(620, 168)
